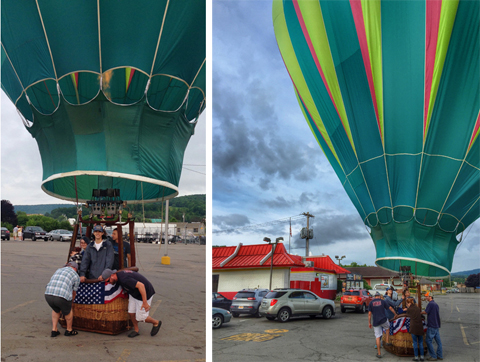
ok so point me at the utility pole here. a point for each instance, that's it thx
(308, 215)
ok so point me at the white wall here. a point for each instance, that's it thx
(235, 280)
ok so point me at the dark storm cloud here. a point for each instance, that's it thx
(330, 229)
(230, 221)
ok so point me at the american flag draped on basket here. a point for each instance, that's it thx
(403, 325)
(99, 293)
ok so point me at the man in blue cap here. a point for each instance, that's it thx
(98, 256)
(377, 309)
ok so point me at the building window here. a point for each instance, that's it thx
(195, 230)
(215, 283)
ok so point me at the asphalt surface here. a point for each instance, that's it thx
(179, 303)
(344, 337)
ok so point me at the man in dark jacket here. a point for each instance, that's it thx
(377, 309)
(433, 328)
(140, 292)
(97, 257)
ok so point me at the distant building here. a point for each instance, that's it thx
(189, 229)
(374, 275)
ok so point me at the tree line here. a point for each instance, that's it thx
(190, 207)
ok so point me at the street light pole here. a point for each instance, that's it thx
(268, 240)
(339, 259)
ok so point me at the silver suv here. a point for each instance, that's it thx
(285, 303)
(247, 301)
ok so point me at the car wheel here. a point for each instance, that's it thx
(284, 315)
(235, 314)
(217, 321)
(61, 239)
(343, 310)
(270, 318)
(327, 312)
(364, 309)
(34, 238)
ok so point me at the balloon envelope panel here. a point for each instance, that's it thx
(111, 93)
(390, 89)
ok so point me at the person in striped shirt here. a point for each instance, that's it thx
(60, 294)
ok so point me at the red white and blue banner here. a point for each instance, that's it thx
(403, 325)
(99, 293)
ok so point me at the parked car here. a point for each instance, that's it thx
(220, 301)
(285, 303)
(382, 288)
(220, 316)
(60, 235)
(357, 300)
(247, 301)
(5, 233)
(81, 232)
(34, 233)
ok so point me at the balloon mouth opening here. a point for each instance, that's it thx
(78, 185)
(417, 267)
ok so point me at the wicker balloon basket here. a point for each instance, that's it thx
(110, 318)
(402, 344)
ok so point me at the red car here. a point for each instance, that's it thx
(355, 299)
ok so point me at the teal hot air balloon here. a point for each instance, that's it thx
(110, 90)
(390, 89)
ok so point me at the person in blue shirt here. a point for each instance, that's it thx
(377, 310)
(389, 300)
(433, 328)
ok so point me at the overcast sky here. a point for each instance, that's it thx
(267, 164)
(21, 164)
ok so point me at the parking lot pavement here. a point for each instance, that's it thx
(345, 337)
(179, 303)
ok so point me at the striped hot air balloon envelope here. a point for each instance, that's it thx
(110, 90)
(390, 89)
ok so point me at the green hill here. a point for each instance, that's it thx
(192, 206)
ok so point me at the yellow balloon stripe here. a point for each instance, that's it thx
(311, 14)
(447, 18)
(286, 49)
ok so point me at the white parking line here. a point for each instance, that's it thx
(458, 309)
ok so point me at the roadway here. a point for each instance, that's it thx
(343, 338)
(179, 303)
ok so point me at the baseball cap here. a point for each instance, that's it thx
(107, 273)
(98, 228)
(72, 264)
(377, 294)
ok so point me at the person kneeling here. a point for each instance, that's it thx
(140, 292)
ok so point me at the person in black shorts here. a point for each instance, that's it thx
(60, 293)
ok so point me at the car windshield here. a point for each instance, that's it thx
(64, 232)
(36, 228)
(381, 287)
(271, 295)
(348, 292)
(245, 295)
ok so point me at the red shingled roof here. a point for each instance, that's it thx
(249, 256)
(325, 262)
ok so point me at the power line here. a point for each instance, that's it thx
(201, 173)
(257, 226)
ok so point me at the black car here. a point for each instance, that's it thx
(247, 301)
(34, 233)
(81, 232)
(220, 301)
(5, 233)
